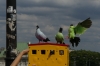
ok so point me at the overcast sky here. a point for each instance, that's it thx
(50, 15)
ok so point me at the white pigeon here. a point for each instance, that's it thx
(40, 35)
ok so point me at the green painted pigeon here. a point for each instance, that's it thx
(79, 29)
(59, 37)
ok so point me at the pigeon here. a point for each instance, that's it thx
(59, 37)
(79, 29)
(40, 35)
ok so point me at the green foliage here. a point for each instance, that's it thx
(84, 58)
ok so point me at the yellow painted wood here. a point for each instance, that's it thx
(46, 59)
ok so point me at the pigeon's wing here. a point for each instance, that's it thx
(56, 36)
(59, 37)
(83, 26)
(41, 34)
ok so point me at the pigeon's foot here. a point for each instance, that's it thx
(73, 45)
(63, 43)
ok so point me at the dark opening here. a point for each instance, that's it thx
(42, 51)
(52, 52)
(33, 51)
(61, 52)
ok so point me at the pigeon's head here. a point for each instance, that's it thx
(61, 29)
(37, 27)
(71, 24)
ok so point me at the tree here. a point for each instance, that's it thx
(84, 58)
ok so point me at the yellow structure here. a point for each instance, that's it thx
(48, 54)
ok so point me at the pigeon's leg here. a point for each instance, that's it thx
(72, 41)
(39, 41)
(73, 44)
(57, 42)
(43, 41)
(63, 43)
(76, 44)
(60, 42)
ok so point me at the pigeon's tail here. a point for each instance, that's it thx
(45, 40)
(76, 40)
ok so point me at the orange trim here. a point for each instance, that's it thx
(48, 44)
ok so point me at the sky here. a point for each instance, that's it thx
(50, 15)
